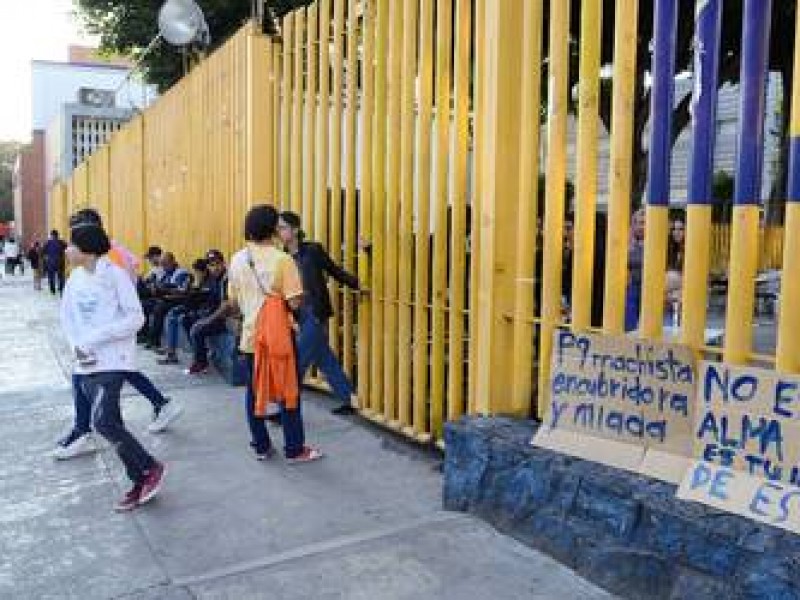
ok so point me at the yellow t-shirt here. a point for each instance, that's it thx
(277, 274)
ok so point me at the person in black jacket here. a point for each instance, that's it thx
(315, 265)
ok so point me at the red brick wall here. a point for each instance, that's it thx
(33, 220)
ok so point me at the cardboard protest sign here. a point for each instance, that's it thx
(621, 401)
(747, 444)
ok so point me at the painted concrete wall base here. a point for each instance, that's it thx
(625, 532)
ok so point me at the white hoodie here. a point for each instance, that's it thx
(100, 314)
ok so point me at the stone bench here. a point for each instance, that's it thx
(628, 533)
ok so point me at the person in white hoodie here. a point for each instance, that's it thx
(100, 314)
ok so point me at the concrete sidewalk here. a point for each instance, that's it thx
(365, 522)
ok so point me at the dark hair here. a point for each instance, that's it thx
(261, 223)
(200, 264)
(215, 256)
(292, 219)
(90, 239)
(88, 216)
(153, 251)
(54, 233)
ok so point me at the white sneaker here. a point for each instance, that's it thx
(83, 445)
(171, 411)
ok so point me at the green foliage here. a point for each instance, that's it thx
(8, 156)
(128, 26)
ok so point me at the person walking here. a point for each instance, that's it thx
(264, 278)
(13, 255)
(100, 314)
(315, 265)
(35, 260)
(54, 262)
(166, 411)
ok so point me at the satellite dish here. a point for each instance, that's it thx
(181, 22)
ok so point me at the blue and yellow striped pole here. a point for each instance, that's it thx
(750, 158)
(788, 352)
(665, 26)
(708, 28)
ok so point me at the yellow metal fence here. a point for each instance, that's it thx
(406, 135)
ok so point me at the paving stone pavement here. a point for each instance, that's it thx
(364, 523)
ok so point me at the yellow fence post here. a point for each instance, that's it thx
(619, 203)
(309, 132)
(259, 119)
(287, 121)
(500, 189)
(477, 199)
(788, 351)
(444, 36)
(523, 352)
(298, 133)
(556, 173)
(366, 304)
(458, 209)
(423, 229)
(405, 229)
(391, 245)
(379, 148)
(322, 152)
(586, 169)
(342, 304)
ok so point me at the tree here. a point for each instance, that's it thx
(128, 26)
(8, 156)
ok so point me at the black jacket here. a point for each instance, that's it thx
(315, 265)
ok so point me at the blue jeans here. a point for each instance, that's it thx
(313, 348)
(633, 305)
(104, 390)
(199, 333)
(83, 403)
(173, 325)
(291, 420)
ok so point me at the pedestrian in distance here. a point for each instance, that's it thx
(54, 262)
(34, 257)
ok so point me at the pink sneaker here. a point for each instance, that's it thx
(306, 456)
(197, 369)
(130, 500)
(152, 483)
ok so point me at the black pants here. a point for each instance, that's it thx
(103, 389)
(12, 264)
(56, 280)
(158, 315)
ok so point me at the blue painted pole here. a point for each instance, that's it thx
(753, 84)
(744, 232)
(707, 35)
(663, 92)
(665, 28)
(708, 30)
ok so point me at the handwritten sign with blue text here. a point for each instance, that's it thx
(747, 444)
(621, 401)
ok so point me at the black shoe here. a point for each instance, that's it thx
(344, 410)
